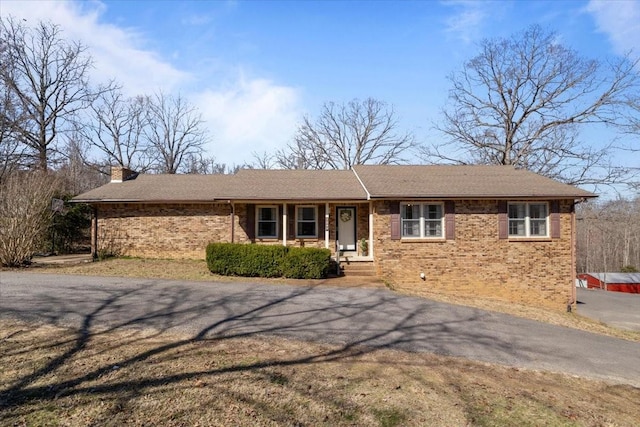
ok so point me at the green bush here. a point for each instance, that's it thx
(70, 230)
(233, 259)
(306, 263)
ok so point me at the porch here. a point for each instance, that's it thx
(344, 227)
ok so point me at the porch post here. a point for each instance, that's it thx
(326, 225)
(371, 229)
(284, 224)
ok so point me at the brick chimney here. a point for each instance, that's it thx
(119, 174)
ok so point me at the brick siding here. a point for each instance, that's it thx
(184, 230)
(162, 231)
(477, 262)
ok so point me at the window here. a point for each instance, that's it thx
(267, 222)
(422, 220)
(528, 219)
(306, 221)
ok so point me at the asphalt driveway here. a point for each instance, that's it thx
(371, 318)
(618, 309)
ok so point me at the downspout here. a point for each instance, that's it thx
(94, 233)
(574, 272)
(233, 221)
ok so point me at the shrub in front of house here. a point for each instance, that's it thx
(236, 259)
(233, 259)
(306, 263)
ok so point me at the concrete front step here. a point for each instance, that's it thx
(363, 273)
(358, 269)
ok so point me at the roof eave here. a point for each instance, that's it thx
(149, 201)
(224, 200)
(482, 196)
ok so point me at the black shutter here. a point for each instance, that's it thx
(279, 210)
(320, 222)
(291, 222)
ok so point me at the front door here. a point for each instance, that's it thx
(346, 229)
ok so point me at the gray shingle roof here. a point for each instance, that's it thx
(245, 185)
(162, 188)
(460, 181)
(399, 182)
(298, 185)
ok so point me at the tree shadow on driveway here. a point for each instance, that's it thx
(356, 320)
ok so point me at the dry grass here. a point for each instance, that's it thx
(54, 376)
(197, 270)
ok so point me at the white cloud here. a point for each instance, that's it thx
(620, 20)
(117, 52)
(466, 23)
(250, 116)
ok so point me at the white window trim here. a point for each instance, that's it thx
(422, 219)
(315, 221)
(527, 221)
(258, 207)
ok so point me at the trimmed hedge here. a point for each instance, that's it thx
(236, 259)
(306, 263)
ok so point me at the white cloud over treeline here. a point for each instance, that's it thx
(245, 114)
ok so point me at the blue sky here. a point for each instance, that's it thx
(254, 68)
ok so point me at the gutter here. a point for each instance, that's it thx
(225, 200)
(148, 201)
(477, 197)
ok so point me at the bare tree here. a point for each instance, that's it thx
(522, 101)
(11, 118)
(117, 128)
(262, 160)
(48, 76)
(11, 151)
(25, 214)
(631, 128)
(206, 165)
(174, 131)
(76, 173)
(608, 236)
(359, 132)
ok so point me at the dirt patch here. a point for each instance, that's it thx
(55, 376)
(197, 270)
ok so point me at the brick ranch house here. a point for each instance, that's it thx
(491, 231)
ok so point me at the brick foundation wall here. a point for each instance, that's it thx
(477, 262)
